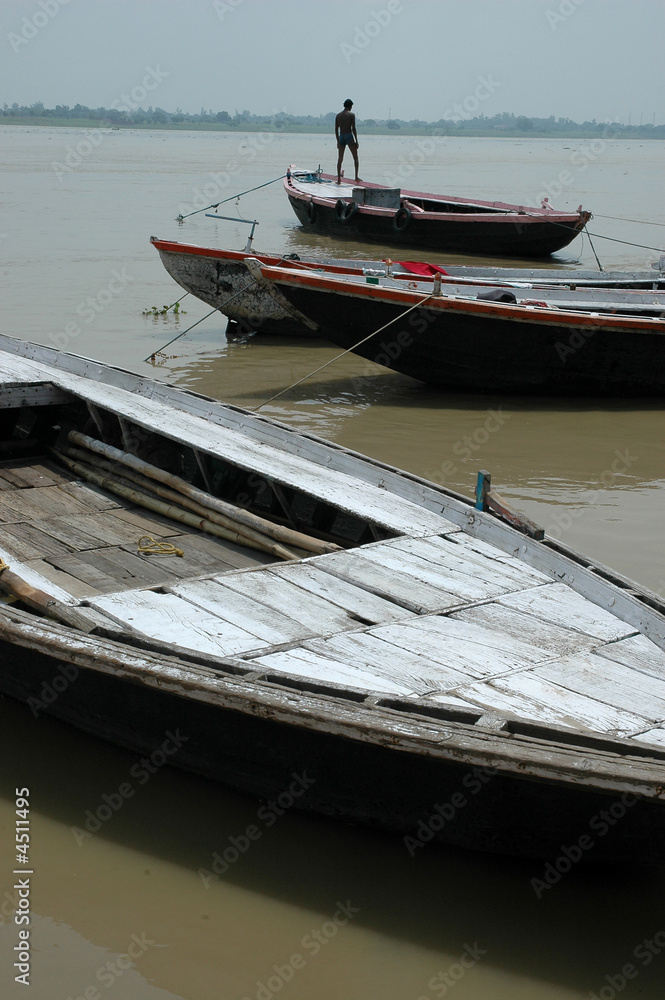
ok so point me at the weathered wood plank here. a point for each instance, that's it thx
(170, 618)
(92, 498)
(99, 578)
(375, 656)
(32, 542)
(546, 639)
(69, 588)
(525, 695)
(266, 623)
(459, 646)
(408, 566)
(460, 555)
(556, 603)
(609, 682)
(312, 612)
(637, 652)
(413, 595)
(233, 556)
(304, 663)
(355, 600)
(654, 737)
(129, 566)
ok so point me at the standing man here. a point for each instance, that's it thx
(346, 135)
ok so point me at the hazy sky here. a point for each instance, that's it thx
(580, 59)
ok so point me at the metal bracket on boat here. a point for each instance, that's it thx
(488, 501)
(234, 218)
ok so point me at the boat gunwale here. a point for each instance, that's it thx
(271, 697)
(453, 303)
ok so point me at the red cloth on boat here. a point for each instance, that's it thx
(418, 267)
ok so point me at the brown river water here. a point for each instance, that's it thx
(145, 908)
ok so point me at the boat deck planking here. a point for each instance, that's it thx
(479, 630)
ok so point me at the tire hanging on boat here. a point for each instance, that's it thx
(350, 210)
(311, 212)
(402, 219)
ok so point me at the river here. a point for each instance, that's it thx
(141, 909)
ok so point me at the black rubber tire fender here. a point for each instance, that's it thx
(402, 219)
(311, 212)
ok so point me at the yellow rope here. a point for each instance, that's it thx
(149, 546)
(3, 565)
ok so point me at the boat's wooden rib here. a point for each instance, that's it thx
(387, 669)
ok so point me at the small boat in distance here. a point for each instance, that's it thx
(404, 648)
(220, 278)
(546, 341)
(374, 212)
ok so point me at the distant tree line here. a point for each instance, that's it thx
(503, 123)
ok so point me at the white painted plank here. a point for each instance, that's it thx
(371, 653)
(267, 624)
(408, 567)
(545, 638)
(472, 545)
(311, 611)
(305, 663)
(461, 554)
(637, 652)
(355, 600)
(385, 582)
(36, 579)
(450, 644)
(171, 619)
(347, 492)
(556, 603)
(654, 737)
(524, 695)
(609, 682)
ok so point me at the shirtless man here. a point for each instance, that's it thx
(346, 135)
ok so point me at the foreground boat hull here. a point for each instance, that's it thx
(422, 799)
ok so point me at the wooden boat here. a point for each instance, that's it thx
(412, 661)
(514, 340)
(219, 278)
(369, 211)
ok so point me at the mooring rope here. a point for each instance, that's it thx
(347, 351)
(179, 218)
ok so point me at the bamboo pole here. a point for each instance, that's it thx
(38, 600)
(151, 486)
(277, 531)
(170, 511)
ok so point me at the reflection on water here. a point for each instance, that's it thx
(592, 473)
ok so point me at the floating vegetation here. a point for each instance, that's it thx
(165, 310)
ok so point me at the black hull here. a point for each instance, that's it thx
(354, 781)
(503, 238)
(476, 352)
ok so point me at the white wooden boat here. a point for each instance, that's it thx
(431, 669)
(219, 278)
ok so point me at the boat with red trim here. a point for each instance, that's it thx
(368, 211)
